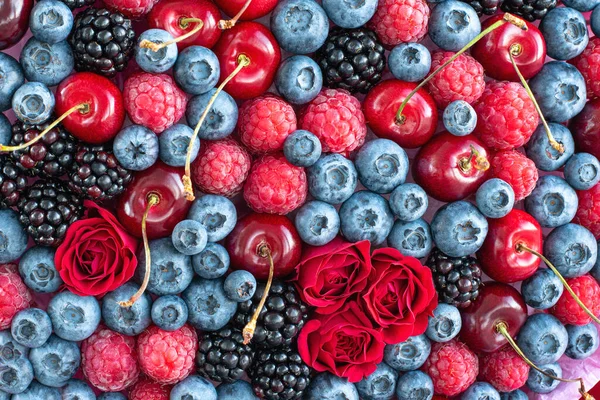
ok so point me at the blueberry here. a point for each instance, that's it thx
(10, 349)
(136, 147)
(216, 213)
(382, 165)
(409, 202)
(299, 79)
(582, 5)
(553, 202)
(46, 63)
(238, 390)
(542, 290)
(572, 249)
(240, 286)
(38, 271)
(495, 198)
(129, 321)
(111, 396)
(17, 371)
(542, 338)
(212, 262)
(543, 154)
(480, 391)
(197, 70)
(380, 385)
(328, 386)
(458, 229)
(414, 385)
(317, 222)
(50, 21)
(332, 179)
(350, 14)
(12, 79)
(411, 238)
(37, 391)
(189, 237)
(582, 171)
(514, 395)
(55, 362)
(302, 148)
(300, 26)
(173, 145)
(366, 216)
(33, 103)
(565, 32)
(445, 323)
(209, 307)
(560, 91)
(583, 341)
(170, 272)
(595, 21)
(156, 61)
(31, 327)
(169, 312)
(539, 383)
(77, 389)
(460, 118)
(408, 355)
(74, 317)
(13, 238)
(221, 118)
(453, 24)
(194, 387)
(410, 62)
(5, 129)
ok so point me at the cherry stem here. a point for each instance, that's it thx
(83, 108)
(265, 252)
(400, 119)
(230, 23)
(243, 61)
(481, 163)
(152, 200)
(183, 24)
(514, 51)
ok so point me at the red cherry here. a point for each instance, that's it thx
(14, 21)
(420, 113)
(277, 232)
(497, 302)
(256, 9)
(451, 168)
(586, 128)
(258, 44)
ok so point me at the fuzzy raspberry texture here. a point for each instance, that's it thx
(506, 116)
(588, 213)
(167, 357)
(133, 9)
(568, 311)
(588, 63)
(517, 170)
(109, 360)
(221, 167)
(153, 100)
(460, 80)
(504, 369)
(336, 118)
(14, 295)
(265, 122)
(452, 366)
(400, 21)
(275, 186)
(147, 389)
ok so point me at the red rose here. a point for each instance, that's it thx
(328, 275)
(97, 255)
(343, 343)
(401, 295)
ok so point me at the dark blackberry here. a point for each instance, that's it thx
(102, 41)
(529, 9)
(12, 182)
(457, 279)
(487, 7)
(73, 4)
(351, 59)
(223, 356)
(47, 209)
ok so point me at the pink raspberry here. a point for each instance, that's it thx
(506, 116)
(133, 9)
(14, 295)
(147, 389)
(400, 21)
(452, 366)
(568, 311)
(265, 122)
(153, 100)
(517, 170)
(504, 369)
(588, 211)
(588, 63)
(221, 167)
(167, 357)
(275, 186)
(461, 80)
(109, 360)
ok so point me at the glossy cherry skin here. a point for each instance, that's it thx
(277, 232)
(256, 9)
(492, 51)
(382, 103)
(497, 302)
(165, 181)
(14, 21)
(438, 167)
(106, 111)
(166, 15)
(258, 44)
(586, 128)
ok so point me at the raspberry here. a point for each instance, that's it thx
(336, 118)
(153, 100)
(275, 186)
(221, 167)
(265, 122)
(147, 389)
(109, 360)
(452, 366)
(460, 80)
(167, 357)
(504, 369)
(517, 170)
(400, 21)
(14, 295)
(588, 63)
(588, 212)
(568, 311)
(133, 9)
(506, 116)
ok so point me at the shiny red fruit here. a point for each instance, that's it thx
(277, 232)
(259, 45)
(497, 302)
(14, 21)
(256, 9)
(420, 114)
(586, 128)
(165, 181)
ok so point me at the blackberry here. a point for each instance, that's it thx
(351, 59)
(223, 356)
(12, 182)
(529, 9)
(73, 4)
(102, 41)
(279, 375)
(47, 209)
(487, 7)
(457, 279)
